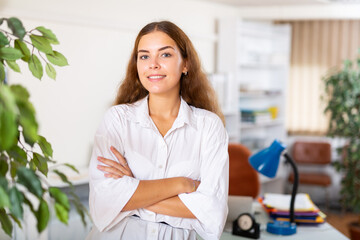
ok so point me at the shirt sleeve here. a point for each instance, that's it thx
(209, 202)
(108, 196)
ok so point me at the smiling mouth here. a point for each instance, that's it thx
(156, 77)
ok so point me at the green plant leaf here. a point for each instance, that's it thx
(13, 65)
(2, 72)
(63, 177)
(72, 167)
(5, 222)
(35, 66)
(29, 179)
(47, 33)
(4, 198)
(43, 215)
(16, 220)
(16, 27)
(28, 202)
(8, 129)
(20, 45)
(41, 43)
(10, 53)
(50, 71)
(28, 122)
(60, 197)
(45, 146)
(61, 213)
(27, 114)
(32, 166)
(57, 59)
(20, 93)
(80, 209)
(7, 99)
(18, 155)
(41, 163)
(16, 200)
(8, 125)
(3, 40)
(13, 168)
(4, 166)
(4, 183)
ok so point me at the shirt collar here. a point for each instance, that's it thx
(139, 112)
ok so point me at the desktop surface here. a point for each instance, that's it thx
(323, 231)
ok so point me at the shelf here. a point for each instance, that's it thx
(75, 178)
(260, 94)
(229, 112)
(260, 65)
(246, 125)
(258, 73)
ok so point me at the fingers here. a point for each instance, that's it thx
(108, 175)
(122, 161)
(113, 167)
(110, 169)
(113, 164)
(119, 157)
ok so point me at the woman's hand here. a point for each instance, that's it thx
(115, 169)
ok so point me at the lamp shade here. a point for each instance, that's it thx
(267, 160)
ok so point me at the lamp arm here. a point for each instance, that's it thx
(295, 186)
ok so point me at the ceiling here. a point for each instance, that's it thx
(254, 3)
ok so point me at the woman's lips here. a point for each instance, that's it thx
(156, 78)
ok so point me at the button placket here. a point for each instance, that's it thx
(152, 231)
(162, 158)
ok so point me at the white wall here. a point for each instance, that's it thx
(301, 12)
(97, 38)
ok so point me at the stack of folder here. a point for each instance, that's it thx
(306, 213)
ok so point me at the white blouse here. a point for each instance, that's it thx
(196, 146)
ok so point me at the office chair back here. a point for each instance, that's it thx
(318, 153)
(313, 153)
(243, 179)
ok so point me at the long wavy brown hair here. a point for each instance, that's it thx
(195, 87)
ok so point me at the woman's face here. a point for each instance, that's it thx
(159, 64)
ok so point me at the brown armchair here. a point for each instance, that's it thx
(316, 154)
(243, 179)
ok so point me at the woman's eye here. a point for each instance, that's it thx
(166, 55)
(143, 57)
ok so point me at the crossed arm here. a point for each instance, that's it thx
(160, 196)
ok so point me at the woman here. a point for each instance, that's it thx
(159, 168)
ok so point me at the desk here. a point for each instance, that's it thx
(322, 231)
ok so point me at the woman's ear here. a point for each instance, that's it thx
(185, 69)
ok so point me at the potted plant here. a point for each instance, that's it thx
(24, 154)
(342, 87)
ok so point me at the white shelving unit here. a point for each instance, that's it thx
(255, 56)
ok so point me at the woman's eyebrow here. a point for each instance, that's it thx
(163, 48)
(160, 49)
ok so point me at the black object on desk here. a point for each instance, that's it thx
(246, 226)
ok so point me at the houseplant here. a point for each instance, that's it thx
(25, 156)
(342, 87)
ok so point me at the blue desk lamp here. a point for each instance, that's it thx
(266, 162)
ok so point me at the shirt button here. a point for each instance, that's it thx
(153, 231)
(160, 166)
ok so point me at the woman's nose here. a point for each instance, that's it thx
(154, 64)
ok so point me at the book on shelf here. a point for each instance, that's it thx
(306, 212)
(256, 116)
